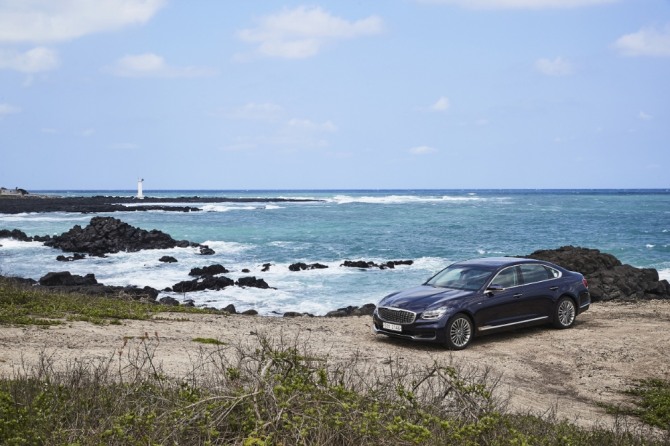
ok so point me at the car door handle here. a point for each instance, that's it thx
(518, 295)
(553, 288)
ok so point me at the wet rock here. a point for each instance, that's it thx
(206, 251)
(167, 300)
(15, 234)
(301, 266)
(230, 308)
(608, 278)
(167, 259)
(250, 313)
(72, 258)
(363, 264)
(252, 282)
(205, 283)
(106, 235)
(211, 270)
(65, 278)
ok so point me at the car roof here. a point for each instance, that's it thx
(496, 262)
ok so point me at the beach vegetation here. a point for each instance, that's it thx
(210, 341)
(263, 391)
(21, 305)
(651, 403)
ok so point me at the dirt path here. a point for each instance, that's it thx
(570, 371)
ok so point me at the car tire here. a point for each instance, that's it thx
(565, 313)
(459, 332)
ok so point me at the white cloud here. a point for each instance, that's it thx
(32, 61)
(302, 32)
(645, 116)
(646, 42)
(152, 65)
(554, 67)
(442, 104)
(7, 109)
(422, 150)
(61, 20)
(519, 4)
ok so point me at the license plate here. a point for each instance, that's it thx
(392, 327)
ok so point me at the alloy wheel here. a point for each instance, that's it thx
(460, 332)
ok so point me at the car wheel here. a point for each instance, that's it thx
(459, 332)
(565, 313)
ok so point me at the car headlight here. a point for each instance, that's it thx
(434, 314)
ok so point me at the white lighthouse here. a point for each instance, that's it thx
(140, 195)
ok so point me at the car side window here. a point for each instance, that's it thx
(506, 278)
(534, 273)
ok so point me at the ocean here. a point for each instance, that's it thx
(431, 227)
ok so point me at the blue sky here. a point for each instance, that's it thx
(334, 94)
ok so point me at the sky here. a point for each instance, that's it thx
(386, 94)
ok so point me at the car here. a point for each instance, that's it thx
(480, 296)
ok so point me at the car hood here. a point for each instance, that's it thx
(423, 297)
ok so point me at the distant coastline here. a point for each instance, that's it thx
(32, 203)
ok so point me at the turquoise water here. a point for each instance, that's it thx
(432, 227)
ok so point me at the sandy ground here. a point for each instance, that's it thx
(541, 369)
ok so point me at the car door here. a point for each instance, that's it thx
(504, 307)
(539, 289)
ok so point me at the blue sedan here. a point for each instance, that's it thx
(481, 296)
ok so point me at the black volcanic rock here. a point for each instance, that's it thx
(211, 270)
(608, 278)
(65, 282)
(369, 264)
(230, 308)
(15, 234)
(206, 283)
(206, 251)
(301, 266)
(358, 264)
(62, 258)
(167, 300)
(167, 259)
(252, 282)
(106, 235)
(365, 310)
(65, 278)
(100, 204)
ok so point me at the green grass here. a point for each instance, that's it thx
(210, 341)
(650, 403)
(24, 306)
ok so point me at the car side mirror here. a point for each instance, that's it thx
(491, 289)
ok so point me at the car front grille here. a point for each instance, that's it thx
(396, 316)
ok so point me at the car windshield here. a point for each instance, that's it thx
(461, 277)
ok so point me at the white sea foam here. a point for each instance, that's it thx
(649, 245)
(227, 207)
(42, 217)
(664, 274)
(227, 247)
(404, 199)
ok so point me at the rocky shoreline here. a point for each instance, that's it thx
(608, 278)
(16, 204)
